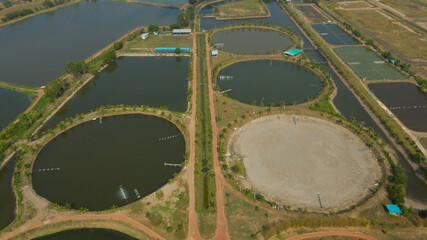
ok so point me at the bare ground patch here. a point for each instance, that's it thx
(296, 160)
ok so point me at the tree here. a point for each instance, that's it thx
(108, 56)
(174, 26)
(53, 89)
(397, 193)
(192, 1)
(69, 67)
(118, 45)
(48, 4)
(153, 28)
(177, 50)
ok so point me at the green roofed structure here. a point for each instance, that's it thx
(393, 209)
(293, 52)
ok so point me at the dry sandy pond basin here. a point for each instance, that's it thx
(305, 162)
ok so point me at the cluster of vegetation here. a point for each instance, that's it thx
(204, 173)
(46, 4)
(16, 14)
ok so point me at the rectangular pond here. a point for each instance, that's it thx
(334, 35)
(11, 105)
(367, 65)
(151, 81)
(75, 32)
(405, 100)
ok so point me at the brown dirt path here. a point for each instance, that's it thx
(113, 216)
(221, 229)
(328, 234)
(193, 229)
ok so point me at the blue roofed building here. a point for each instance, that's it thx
(393, 209)
(292, 52)
(214, 53)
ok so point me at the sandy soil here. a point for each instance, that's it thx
(296, 160)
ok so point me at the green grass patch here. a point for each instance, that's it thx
(367, 65)
(154, 41)
(241, 8)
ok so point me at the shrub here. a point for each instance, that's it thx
(118, 45)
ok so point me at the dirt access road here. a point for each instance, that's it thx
(329, 234)
(221, 228)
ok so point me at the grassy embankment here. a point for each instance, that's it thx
(242, 9)
(150, 3)
(204, 173)
(24, 9)
(416, 9)
(148, 45)
(30, 91)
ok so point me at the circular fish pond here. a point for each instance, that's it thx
(265, 82)
(251, 41)
(305, 162)
(110, 161)
(87, 234)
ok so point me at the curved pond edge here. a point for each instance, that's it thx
(293, 36)
(60, 225)
(235, 183)
(176, 118)
(326, 86)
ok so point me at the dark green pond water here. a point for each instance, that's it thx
(410, 107)
(133, 81)
(269, 81)
(75, 32)
(251, 41)
(11, 105)
(113, 161)
(7, 197)
(87, 234)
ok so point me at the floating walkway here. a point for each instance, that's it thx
(169, 137)
(46, 169)
(172, 164)
(408, 107)
(135, 190)
(228, 90)
(223, 77)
